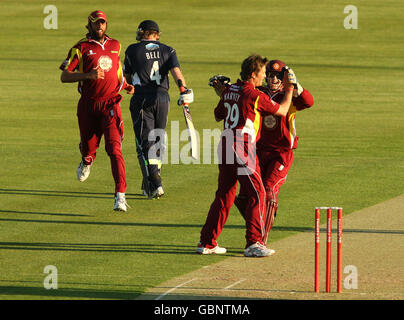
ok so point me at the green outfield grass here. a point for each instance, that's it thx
(350, 149)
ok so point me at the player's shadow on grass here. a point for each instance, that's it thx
(75, 293)
(102, 223)
(143, 248)
(68, 293)
(71, 194)
(176, 225)
(58, 193)
(46, 213)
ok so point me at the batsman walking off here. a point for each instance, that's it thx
(95, 64)
(147, 64)
(241, 106)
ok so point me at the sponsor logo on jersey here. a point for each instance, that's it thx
(90, 53)
(152, 46)
(270, 121)
(105, 63)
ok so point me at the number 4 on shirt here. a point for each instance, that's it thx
(154, 73)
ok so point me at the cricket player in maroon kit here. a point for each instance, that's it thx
(241, 107)
(278, 139)
(95, 64)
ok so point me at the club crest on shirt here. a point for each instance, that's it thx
(270, 121)
(105, 63)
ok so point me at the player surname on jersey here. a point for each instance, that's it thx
(153, 55)
(232, 96)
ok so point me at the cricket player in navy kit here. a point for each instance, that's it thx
(147, 64)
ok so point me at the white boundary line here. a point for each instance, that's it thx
(234, 284)
(172, 289)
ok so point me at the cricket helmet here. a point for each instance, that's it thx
(275, 66)
(148, 25)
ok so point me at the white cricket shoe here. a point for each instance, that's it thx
(216, 250)
(157, 194)
(120, 202)
(83, 171)
(258, 250)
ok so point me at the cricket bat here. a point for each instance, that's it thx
(193, 142)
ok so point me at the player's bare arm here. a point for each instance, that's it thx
(70, 76)
(287, 99)
(186, 95)
(128, 86)
(177, 75)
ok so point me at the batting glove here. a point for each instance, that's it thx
(298, 89)
(186, 97)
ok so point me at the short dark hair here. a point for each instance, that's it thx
(253, 63)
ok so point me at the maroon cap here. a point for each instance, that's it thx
(275, 66)
(97, 15)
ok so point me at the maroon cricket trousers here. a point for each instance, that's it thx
(250, 180)
(99, 118)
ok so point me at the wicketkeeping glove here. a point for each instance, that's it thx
(186, 97)
(293, 80)
(222, 79)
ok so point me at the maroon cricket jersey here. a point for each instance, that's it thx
(86, 55)
(279, 133)
(241, 107)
